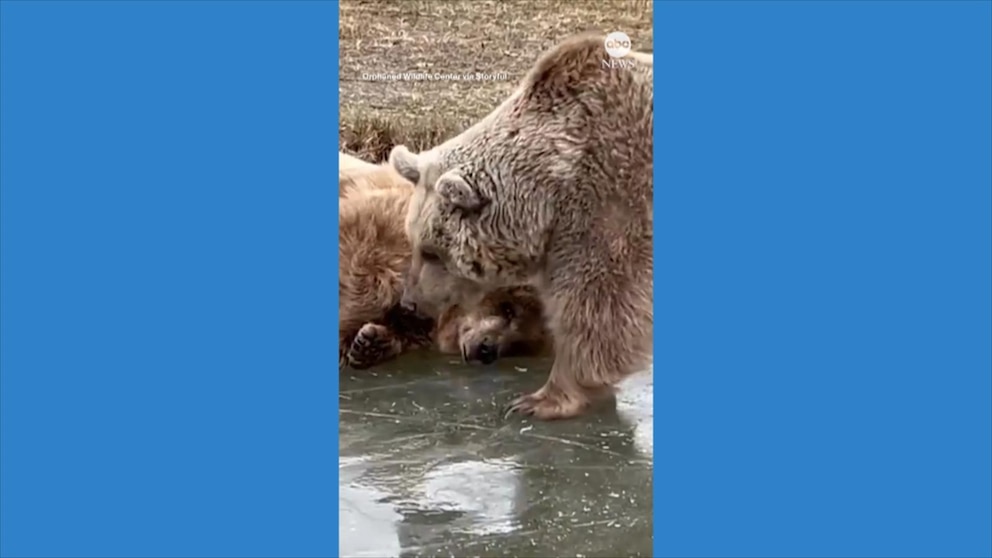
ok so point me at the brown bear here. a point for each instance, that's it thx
(374, 253)
(552, 189)
(507, 322)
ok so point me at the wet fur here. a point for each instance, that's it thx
(553, 189)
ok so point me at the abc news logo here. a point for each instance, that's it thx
(617, 46)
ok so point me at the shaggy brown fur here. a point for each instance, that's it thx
(374, 252)
(552, 189)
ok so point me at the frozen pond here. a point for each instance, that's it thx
(429, 467)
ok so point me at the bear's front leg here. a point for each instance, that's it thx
(599, 339)
(374, 344)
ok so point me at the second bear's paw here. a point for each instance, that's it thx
(371, 346)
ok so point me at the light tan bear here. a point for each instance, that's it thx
(355, 175)
(349, 164)
(374, 253)
(552, 189)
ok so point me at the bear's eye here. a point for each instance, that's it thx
(429, 256)
(507, 310)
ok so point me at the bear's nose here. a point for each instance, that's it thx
(487, 353)
(408, 305)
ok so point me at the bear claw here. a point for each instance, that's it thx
(543, 406)
(367, 347)
(514, 407)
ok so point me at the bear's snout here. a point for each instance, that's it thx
(406, 303)
(485, 352)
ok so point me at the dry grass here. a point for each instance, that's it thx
(501, 38)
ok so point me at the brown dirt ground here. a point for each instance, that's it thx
(502, 38)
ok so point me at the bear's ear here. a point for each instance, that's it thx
(454, 190)
(406, 163)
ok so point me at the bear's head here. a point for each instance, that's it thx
(482, 210)
(459, 250)
(507, 322)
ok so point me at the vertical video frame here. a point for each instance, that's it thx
(496, 278)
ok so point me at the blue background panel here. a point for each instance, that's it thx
(168, 279)
(823, 279)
